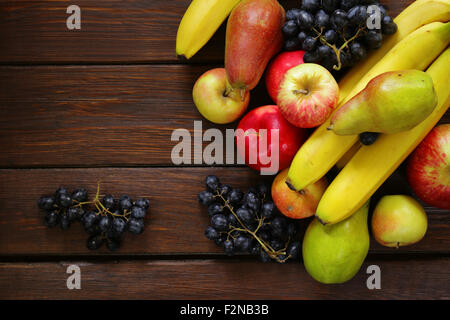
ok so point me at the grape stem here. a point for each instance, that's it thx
(334, 48)
(267, 248)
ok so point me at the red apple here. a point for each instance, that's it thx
(294, 204)
(308, 95)
(429, 168)
(259, 126)
(212, 100)
(278, 68)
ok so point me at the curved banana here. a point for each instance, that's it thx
(324, 148)
(372, 165)
(200, 21)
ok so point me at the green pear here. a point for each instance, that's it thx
(390, 103)
(335, 253)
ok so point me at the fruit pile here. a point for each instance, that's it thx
(366, 125)
(334, 33)
(248, 222)
(104, 220)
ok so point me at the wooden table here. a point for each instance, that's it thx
(100, 104)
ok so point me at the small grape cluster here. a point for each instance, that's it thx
(104, 220)
(334, 33)
(248, 222)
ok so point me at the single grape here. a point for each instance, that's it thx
(235, 196)
(59, 191)
(51, 219)
(330, 36)
(292, 14)
(105, 223)
(252, 201)
(94, 242)
(109, 202)
(219, 222)
(211, 233)
(215, 208)
(324, 52)
(339, 19)
(220, 240)
(75, 213)
(224, 190)
(245, 215)
(46, 203)
(388, 26)
(80, 195)
(264, 235)
(228, 247)
(64, 200)
(293, 250)
(311, 57)
(137, 212)
(305, 20)
(262, 190)
(205, 198)
(212, 183)
(90, 219)
(255, 247)
(290, 28)
(135, 226)
(125, 203)
(309, 44)
(278, 227)
(322, 19)
(242, 243)
(119, 225)
(291, 229)
(357, 15)
(358, 51)
(368, 138)
(301, 37)
(232, 220)
(268, 210)
(143, 203)
(292, 44)
(374, 39)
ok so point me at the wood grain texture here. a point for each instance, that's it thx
(176, 222)
(99, 115)
(111, 31)
(208, 279)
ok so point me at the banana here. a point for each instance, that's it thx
(324, 148)
(419, 13)
(372, 165)
(200, 21)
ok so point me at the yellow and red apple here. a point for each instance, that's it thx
(277, 70)
(429, 168)
(294, 204)
(308, 95)
(215, 101)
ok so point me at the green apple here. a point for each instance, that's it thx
(214, 101)
(398, 220)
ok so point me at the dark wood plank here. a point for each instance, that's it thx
(175, 224)
(49, 115)
(111, 31)
(209, 279)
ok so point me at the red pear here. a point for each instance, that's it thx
(253, 37)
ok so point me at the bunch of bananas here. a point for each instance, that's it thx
(423, 35)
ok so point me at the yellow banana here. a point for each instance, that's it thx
(324, 148)
(419, 13)
(200, 21)
(372, 165)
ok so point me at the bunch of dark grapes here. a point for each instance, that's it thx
(334, 33)
(248, 222)
(105, 219)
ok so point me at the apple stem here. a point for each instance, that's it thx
(301, 91)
